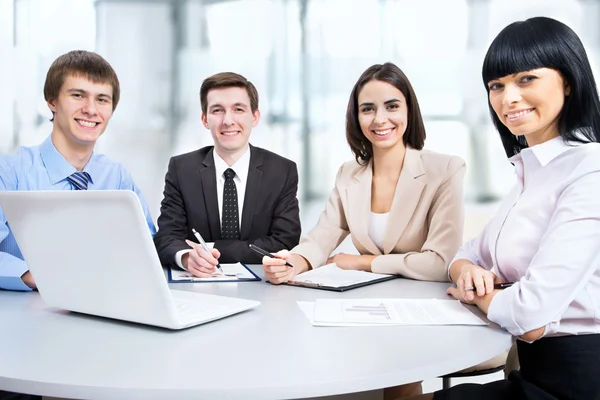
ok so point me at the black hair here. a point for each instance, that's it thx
(542, 42)
(414, 136)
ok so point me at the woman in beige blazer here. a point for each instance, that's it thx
(401, 204)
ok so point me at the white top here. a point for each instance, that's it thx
(240, 167)
(377, 226)
(47, 351)
(546, 236)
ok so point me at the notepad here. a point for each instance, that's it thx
(331, 277)
(356, 312)
(231, 273)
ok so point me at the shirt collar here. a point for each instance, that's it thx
(57, 166)
(547, 151)
(240, 167)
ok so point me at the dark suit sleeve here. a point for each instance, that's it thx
(172, 222)
(285, 227)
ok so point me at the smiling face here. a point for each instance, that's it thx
(529, 103)
(382, 115)
(81, 112)
(230, 119)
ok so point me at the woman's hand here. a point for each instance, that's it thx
(474, 281)
(483, 302)
(277, 272)
(351, 261)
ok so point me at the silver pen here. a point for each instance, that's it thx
(203, 244)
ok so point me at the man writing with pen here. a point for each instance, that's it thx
(232, 194)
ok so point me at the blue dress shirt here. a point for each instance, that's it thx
(44, 168)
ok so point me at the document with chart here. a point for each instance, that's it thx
(393, 312)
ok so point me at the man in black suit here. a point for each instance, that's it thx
(232, 193)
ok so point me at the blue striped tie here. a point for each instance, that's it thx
(79, 180)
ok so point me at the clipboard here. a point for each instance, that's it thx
(251, 277)
(332, 278)
(321, 286)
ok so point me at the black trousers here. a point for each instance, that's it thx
(17, 396)
(555, 368)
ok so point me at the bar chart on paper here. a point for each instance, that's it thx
(351, 312)
(366, 313)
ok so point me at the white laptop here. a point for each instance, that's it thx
(91, 252)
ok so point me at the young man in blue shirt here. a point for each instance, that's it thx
(82, 91)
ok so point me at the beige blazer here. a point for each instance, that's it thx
(425, 223)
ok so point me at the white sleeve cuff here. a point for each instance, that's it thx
(179, 256)
(180, 253)
(500, 310)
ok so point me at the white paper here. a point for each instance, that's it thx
(350, 312)
(333, 276)
(231, 271)
(308, 309)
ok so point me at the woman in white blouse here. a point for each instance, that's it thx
(546, 235)
(402, 205)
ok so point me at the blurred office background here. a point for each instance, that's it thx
(304, 57)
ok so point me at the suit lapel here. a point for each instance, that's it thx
(208, 180)
(406, 198)
(359, 207)
(252, 190)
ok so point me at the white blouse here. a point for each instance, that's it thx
(546, 237)
(377, 225)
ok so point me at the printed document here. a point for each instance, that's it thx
(230, 272)
(353, 312)
(308, 309)
(333, 276)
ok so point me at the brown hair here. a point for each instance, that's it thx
(415, 129)
(84, 63)
(226, 80)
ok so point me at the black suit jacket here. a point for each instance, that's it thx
(270, 215)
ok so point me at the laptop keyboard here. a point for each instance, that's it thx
(190, 310)
(193, 308)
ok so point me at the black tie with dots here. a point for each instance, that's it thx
(230, 227)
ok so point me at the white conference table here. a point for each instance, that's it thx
(270, 352)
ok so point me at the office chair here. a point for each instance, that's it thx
(475, 220)
(495, 364)
(508, 362)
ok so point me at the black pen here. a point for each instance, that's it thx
(266, 253)
(503, 285)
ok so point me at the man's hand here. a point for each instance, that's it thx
(27, 279)
(199, 262)
(352, 261)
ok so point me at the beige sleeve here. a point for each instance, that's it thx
(330, 231)
(445, 221)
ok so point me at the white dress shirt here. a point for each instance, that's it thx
(241, 167)
(546, 237)
(377, 226)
